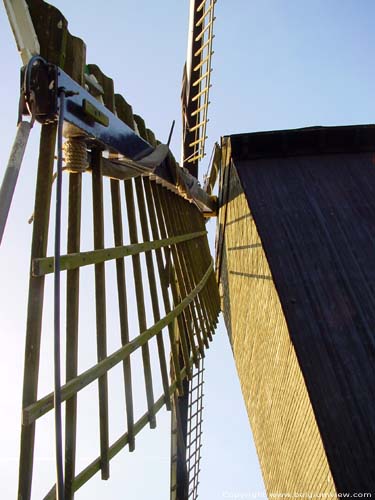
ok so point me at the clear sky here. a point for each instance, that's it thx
(278, 64)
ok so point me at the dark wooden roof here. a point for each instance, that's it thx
(312, 196)
(303, 141)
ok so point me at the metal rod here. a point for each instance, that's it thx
(56, 309)
(11, 173)
(35, 303)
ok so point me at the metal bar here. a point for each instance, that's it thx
(153, 288)
(72, 314)
(70, 261)
(140, 299)
(11, 173)
(35, 303)
(123, 309)
(44, 405)
(163, 280)
(100, 299)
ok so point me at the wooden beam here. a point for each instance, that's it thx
(70, 261)
(45, 404)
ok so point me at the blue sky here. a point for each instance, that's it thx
(278, 64)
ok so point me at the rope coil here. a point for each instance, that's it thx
(75, 155)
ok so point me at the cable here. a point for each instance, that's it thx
(57, 362)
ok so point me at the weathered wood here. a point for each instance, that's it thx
(202, 254)
(72, 312)
(214, 170)
(44, 405)
(190, 271)
(182, 338)
(141, 126)
(51, 29)
(163, 275)
(124, 111)
(45, 265)
(123, 308)
(191, 266)
(100, 299)
(35, 303)
(106, 83)
(181, 275)
(133, 233)
(91, 469)
(153, 288)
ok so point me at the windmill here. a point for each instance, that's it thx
(110, 147)
(294, 263)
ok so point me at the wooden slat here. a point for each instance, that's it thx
(123, 309)
(91, 469)
(204, 258)
(35, 303)
(72, 312)
(190, 271)
(207, 299)
(44, 405)
(192, 265)
(163, 232)
(70, 261)
(181, 271)
(133, 233)
(100, 299)
(195, 259)
(163, 280)
(153, 288)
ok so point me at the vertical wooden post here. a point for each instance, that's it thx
(35, 303)
(189, 266)
(175, 292)
(182, 275)
(72, 314)
(187, 220)
(153, 289)
(140, 300)
(190, 260)
(101, 329)
(163, 281)
(123, 308)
